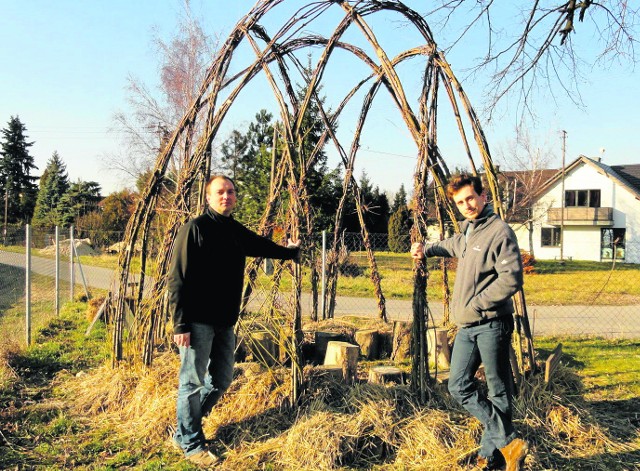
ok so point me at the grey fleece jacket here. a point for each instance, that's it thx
(489, 269)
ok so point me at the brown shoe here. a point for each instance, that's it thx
(514, 453)
(204, 459)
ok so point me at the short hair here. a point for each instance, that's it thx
(464, 179)
(218, 176)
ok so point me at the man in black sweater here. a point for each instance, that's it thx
(205, 292)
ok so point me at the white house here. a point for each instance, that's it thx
(591, 211)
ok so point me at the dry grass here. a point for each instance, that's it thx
(365, 426)
(138, 404)
(7, 374)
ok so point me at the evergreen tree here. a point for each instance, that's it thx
(54, 183)
(375, 207)
(399, 230)
(324, 187)
(17, 185)
(247, 159)
(81, 198)
(399, 200)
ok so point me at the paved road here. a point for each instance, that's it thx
(610, 321)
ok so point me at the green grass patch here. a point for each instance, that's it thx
(552, 283)
(610, 368)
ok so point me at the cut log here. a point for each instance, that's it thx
(401, 341)
(322, 339)
(441, 354)
(386, 374)
(552, 363)
(344, 355)
(385, 344)
(367, 340)
(262, 347)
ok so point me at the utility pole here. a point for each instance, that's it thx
(6, 210)
(562, 197)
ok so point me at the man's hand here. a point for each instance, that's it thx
(182, 340)
(293, 245)
(417, 250)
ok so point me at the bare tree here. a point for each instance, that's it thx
(152, 115)
(526, 169)
(536, 45)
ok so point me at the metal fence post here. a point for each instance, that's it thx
(84, 281)
(28, 284)
(72, 280)
(57, 295)
(323, 279)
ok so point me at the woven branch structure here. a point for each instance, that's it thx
(275, 57)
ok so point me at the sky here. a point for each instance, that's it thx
(65, 66)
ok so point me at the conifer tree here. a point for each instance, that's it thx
(17, 185)
(399, 200)
(54, 183)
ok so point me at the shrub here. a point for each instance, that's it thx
(399, 228)
(528, 262)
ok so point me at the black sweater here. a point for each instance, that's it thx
(207, 269)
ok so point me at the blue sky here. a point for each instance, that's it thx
(65, 66)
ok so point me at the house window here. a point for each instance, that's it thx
(582, 198)
(550, 237)
(612, 243)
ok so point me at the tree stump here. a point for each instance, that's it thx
(263, 348)
(386, 374)
(401, 341)
(438, 347)
(332, 371)
(368, 341)
(385, 344)
(321, 340)
(552, 363)
(344, 355)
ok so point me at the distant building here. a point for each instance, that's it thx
(597, 218)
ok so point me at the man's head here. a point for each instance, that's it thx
(221, 194)
(467, 194)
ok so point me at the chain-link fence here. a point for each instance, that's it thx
(563, 298)
(36, 276)
(567, 297)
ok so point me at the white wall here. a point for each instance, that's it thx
(583, 242)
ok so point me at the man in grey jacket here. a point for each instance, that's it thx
(489, 273)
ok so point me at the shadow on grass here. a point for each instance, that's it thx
(567, 359)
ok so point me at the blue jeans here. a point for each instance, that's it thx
(488, 344)
(206, 371)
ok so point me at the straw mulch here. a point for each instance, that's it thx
(335, 426)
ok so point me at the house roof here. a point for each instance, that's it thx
(630, 173)
(627, 176)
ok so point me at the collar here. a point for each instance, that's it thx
(216, 216)
(486, 214)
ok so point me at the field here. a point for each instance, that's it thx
(551, 283)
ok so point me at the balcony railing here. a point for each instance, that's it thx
(581, 216)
